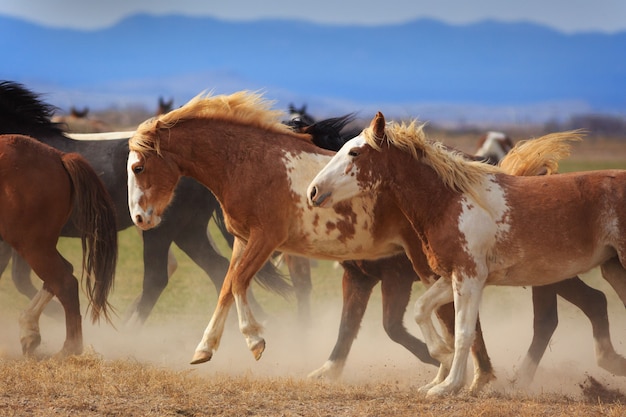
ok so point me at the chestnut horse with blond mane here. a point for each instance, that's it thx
(236, 146)
(478, 225)
(39, 187)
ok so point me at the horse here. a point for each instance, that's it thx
(298, 117)
(78, 122)
(22, 111)
(164, 106)
(260, 227)
(219, 141)
(493, 146)
(477, 225)
(396, 274)
(34, 207)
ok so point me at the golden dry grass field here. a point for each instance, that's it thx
(130, 372)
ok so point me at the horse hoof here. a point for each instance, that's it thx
(258, 348)
(30, 343)
(201, 356)
(330, 371)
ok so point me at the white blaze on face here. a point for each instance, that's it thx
(337, 180)
(319, 225)
(134, 196)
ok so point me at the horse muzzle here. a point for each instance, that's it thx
(317, 199)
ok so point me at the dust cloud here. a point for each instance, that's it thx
(294, 350)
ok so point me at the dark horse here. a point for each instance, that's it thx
(21, 111)
(34, 206)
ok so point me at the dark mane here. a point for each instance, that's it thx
(23, 110)
(327, 134)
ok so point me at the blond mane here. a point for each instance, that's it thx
(452, 167)
(241, 107)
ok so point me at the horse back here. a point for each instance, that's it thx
(562, 225)
(35, 188)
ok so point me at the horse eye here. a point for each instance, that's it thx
(138, 169)
(353, 152)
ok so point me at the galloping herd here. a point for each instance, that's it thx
(386, 202)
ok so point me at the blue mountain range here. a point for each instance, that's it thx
(487, 64)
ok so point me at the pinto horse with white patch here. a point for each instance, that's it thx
(236, 146)
(493, 146)
(477, 225)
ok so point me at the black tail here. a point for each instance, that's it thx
(268, 277)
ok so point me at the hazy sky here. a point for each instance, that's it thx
(565, 15)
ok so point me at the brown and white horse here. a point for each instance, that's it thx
(236, 146)
(477, 225)
(493, 146)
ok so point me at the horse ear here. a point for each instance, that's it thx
(378, 125)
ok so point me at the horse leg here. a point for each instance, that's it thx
(5, 255)
(20, 273)
(483, 369)
(300, 272)
(436, 295)
(254, 256)
(467, 292)
(155, 278)
(613, 271)
(545, 321)
(396, 292)
(56, 274)
(200, 249)
(357, 288)
(245, 262)
(593, 303)
(30, 336)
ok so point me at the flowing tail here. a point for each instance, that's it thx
(540, 156)
(95, 218)
(269, 276)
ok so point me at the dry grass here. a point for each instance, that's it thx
(89, 385)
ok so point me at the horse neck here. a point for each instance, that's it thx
(214, 152)
(418, 191)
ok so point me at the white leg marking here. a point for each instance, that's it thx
(467, 294)
(437, 295)
(248, 326)
(212, 335)
(29, 319)
(330, 370)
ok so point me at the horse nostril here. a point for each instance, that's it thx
(313, 193)
(138, 219)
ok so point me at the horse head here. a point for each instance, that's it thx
(152, 176)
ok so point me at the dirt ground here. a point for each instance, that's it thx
(146, 372)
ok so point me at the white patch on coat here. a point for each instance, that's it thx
(319, 225)
(482, 228)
